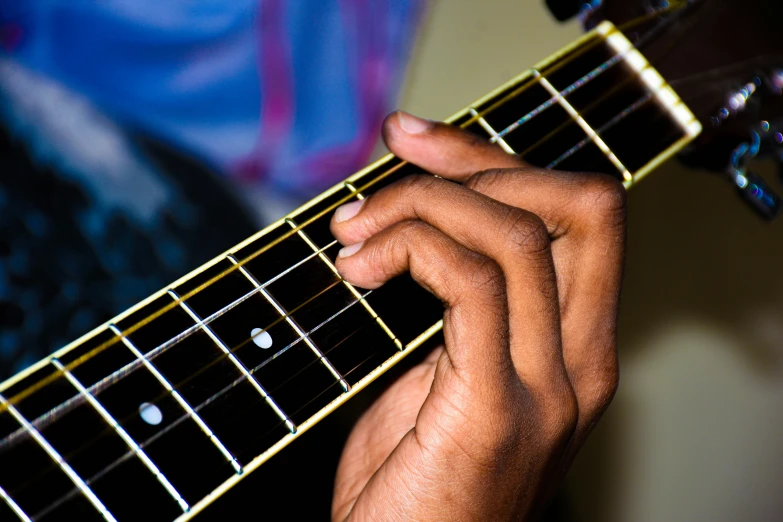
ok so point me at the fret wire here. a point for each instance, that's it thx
(605, 127)
(346, 387)
(57, 458)
(55, 412)
(177, 397)
(494, 137)
(312, 331)
(551, 68)
(364, 187)
(353, 189)
(574, 86)
(348, 285)
(206, 402)
(123, 434)
(562, 94)
(586, 110)
(527, 117)
(14, 506)
(585, 126)
(233, 358)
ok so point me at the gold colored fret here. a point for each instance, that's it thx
(290, 320)
(109, 418)
(594, 137)
(662, 92)
(315, 419)
(57, 458)
(14, 506)
(349, 286)
(353, 189)
(177, 397)
(494, 138)
(234, 360)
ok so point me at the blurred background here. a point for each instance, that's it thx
(696, 429)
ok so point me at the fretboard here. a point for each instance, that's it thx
(189, 391)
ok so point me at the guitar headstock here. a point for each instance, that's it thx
(725, 60)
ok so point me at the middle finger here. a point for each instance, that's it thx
(516, 239)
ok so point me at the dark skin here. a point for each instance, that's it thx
(529, 264)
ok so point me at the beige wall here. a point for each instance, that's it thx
(696, 430)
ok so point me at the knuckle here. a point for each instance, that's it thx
(411, 230)
(559, 411)
(385, 252)
(605, 198)
(526, 233)
(485, 180)
(486, 277)
(416, 183)
(604, 387)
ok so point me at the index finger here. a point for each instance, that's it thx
(442, 149)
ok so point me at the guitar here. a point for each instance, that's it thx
(168, 406)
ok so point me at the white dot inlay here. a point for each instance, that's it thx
(261, 338)
(150, 413)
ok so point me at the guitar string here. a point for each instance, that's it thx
(675, 6)
(129, 455)
(64, 407)
(77, 400)
(120, 373)
(725, 69)
(182, 418)
(241, 379)
(591, 106)
(195, 326)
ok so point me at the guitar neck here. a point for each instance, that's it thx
(237, 359)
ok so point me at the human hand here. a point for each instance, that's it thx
(528, 263)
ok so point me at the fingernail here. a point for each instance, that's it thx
(347, 211)
(412, 124)
(350, 250)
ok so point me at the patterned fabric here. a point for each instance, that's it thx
(91, 220)
(290, 93)
(274, 98)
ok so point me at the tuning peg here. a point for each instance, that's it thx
(764, 139)
(565, 9)
(758, 194)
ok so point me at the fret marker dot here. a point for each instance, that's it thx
(150, 413)
(261, 338)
